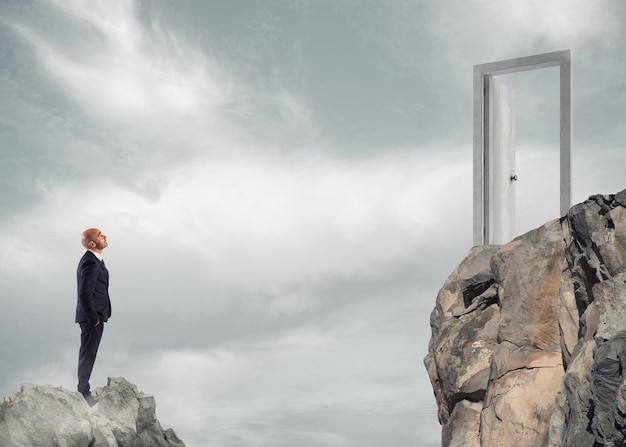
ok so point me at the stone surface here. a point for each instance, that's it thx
(528, 343)
(43, 415)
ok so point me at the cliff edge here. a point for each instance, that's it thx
(528, 343)
(43, 415)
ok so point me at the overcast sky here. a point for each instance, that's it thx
(285, 186)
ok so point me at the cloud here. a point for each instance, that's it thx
(135, 77)
(261, 221)
(508, 27)
(443, 43)
(142, 101)
(574, 21)
(294, 391)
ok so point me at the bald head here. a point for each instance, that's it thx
(94, 239)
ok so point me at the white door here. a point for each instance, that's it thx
(500, 162)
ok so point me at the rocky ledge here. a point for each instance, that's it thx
(44, 416)
(528, 342)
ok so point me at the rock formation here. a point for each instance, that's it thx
(528, 342)
(47, 416)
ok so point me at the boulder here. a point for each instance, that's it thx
(528, 343)
(43, 415)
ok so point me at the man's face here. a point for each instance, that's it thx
(99, 239)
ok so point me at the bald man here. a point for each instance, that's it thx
(93, 307)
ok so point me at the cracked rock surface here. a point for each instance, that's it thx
(528, 343)
(43, 415)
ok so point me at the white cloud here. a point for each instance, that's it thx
(231, 389)
(272, 221)
(557, 21)
(508, 27)
(457, 35)
(289, 303)
(262, 221)
(140, 81)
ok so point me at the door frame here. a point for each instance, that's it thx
(563, 60)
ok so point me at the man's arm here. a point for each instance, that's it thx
(87, 279)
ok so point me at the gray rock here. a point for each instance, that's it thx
(43, 415)
(528, 343)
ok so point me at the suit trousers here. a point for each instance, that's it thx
(90, 337)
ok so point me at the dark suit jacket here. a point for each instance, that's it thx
(93, 290)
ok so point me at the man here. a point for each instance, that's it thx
(94, 306)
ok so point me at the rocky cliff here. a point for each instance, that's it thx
(47, 416)
(528, 342)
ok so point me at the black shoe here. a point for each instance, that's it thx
(89, 398)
